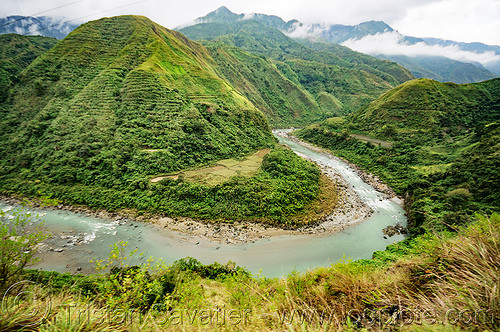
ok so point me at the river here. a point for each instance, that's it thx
(82, 238)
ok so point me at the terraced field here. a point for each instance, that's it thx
(222, 171)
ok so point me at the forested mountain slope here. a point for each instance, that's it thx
(121, 101)
(334, 82)
(440, 147)
(16, 53)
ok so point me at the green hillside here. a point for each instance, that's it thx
(441, 68)
(349, 78)
(361, 60)
(121, 101)
(435, 143)
(283, 101)
(16, 53)
(429, 108)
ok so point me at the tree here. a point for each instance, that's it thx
(388, 130)
(18, 240)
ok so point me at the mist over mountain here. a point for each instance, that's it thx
(310, 84)
(41, 26)
(434, 58)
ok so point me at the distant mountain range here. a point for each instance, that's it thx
(439, 59)
(292, 83)
(425, 57)
(43, 26)
(442, 60)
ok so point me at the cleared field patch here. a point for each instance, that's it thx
(151, 150)
(374, 141)
(432, 169)
(222, 171)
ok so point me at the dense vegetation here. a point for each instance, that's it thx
(328, 82)
(283, 101)
(16, 53)
(441, 68)
(444, 153)
(94, 124)
(434, 282)
(122, 100)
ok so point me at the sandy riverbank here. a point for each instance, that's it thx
(348, 211)
(369, 178)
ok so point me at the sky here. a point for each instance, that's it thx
(460, 20)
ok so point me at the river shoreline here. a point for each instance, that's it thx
(369, 178)
(349, 211)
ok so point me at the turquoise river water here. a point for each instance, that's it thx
(83, 238)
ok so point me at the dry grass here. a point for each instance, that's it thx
(457, 276)
(221, 172)
(374, 141)
(451, 287)
(432, 169)
(464, 274)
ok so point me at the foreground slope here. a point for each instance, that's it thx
(121, 101)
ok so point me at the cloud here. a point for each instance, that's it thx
(462, 20)
(248, 16)
(393, 43)
(305, 31)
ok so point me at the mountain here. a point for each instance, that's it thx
(114, 78)
(224, 15)
(42, 25)
(337, 33)
(443, 60)
(113, 115)
(425, 107)
(331, 81)
(16, 53)
(493, 65)
(436, 144)
(441, 68)
(283, 101)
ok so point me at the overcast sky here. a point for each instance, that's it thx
(460, 20)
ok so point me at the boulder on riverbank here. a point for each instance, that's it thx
(394, 230)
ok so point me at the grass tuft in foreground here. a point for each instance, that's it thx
(433, 282)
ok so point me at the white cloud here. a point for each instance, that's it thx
(462, 20)
(392, 43)
(305, 31)
(248, 16)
